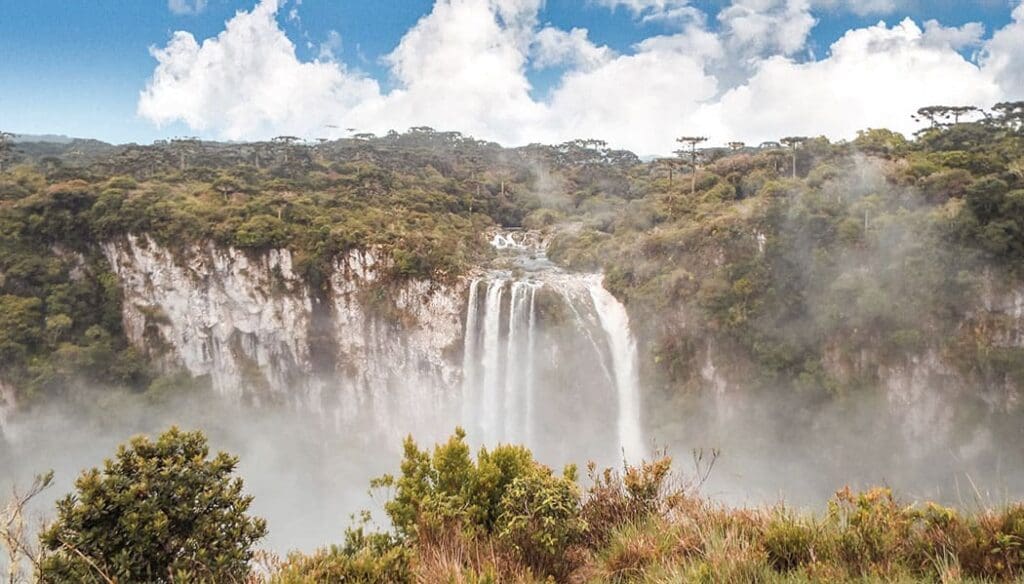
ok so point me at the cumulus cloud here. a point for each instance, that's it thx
(186, 6)
(962, 37)
(862, 7)
(873, 77)
(1003, 56)
(330, 47)
(464, 67)
(768, 26)
(555, 47)
(644, 7)
(247, 82)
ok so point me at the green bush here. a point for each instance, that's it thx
(159, 511)
(504, 494)
(789, 542)
(540, 517)
(262, 232)
(364, 559)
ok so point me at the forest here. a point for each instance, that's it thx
(780, 252)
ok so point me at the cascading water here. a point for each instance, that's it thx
(549, 357)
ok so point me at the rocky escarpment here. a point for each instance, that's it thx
(258, 330)
(974, 372)
(363, 349)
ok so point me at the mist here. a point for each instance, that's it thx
(307, 478)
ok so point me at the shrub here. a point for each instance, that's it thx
(540, 518)
(504, 493)
(788, 542)
(614, 499)
(364, 559)
(159, 511)
(262, 232)
(448, 486)
(874, 529)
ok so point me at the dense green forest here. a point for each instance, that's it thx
(784, 253)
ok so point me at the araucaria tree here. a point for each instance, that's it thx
(692, 142)
(160, 511)
(793, 142)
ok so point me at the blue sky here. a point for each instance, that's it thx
(77, 67)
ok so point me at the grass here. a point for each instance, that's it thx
(646, 524)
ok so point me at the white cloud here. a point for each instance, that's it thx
(637, 101)
(553, 47)
(874, 77)
(678, 12)
(962, 37)
(763, 27)
(641, 7)
(247, 82)
(186, 6)
(329, 48)
(1003, 56)
(862, 7)
(464, 67)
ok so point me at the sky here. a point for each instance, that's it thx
(636, 73)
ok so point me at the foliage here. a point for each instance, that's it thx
(165, 511)
(14, 530)
(159, 511)
(504, 493)
(363, 559)
(648, 524)
(879, 242)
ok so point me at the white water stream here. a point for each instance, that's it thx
(577, 349)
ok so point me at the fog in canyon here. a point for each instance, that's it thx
(519, 351)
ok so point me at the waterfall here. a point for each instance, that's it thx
(546, 376)
(491, 361)
(517, 321)
(531, 346)
(470, 359)
(615, 322)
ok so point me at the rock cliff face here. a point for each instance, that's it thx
(362, 350)
(927, 392)
(258, 330)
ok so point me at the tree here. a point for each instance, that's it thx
(735, 146)
(21, 320)
(13, 533)
(692, 141)
(939, 115)
(669, 164)
(505, 492)
(793, 142)
(879, 142)
(1011, 115)
(6, 147)
(226, 186)
(286, 145)
(184, 148)
(159, 512)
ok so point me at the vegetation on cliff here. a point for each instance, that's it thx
(789, 258)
